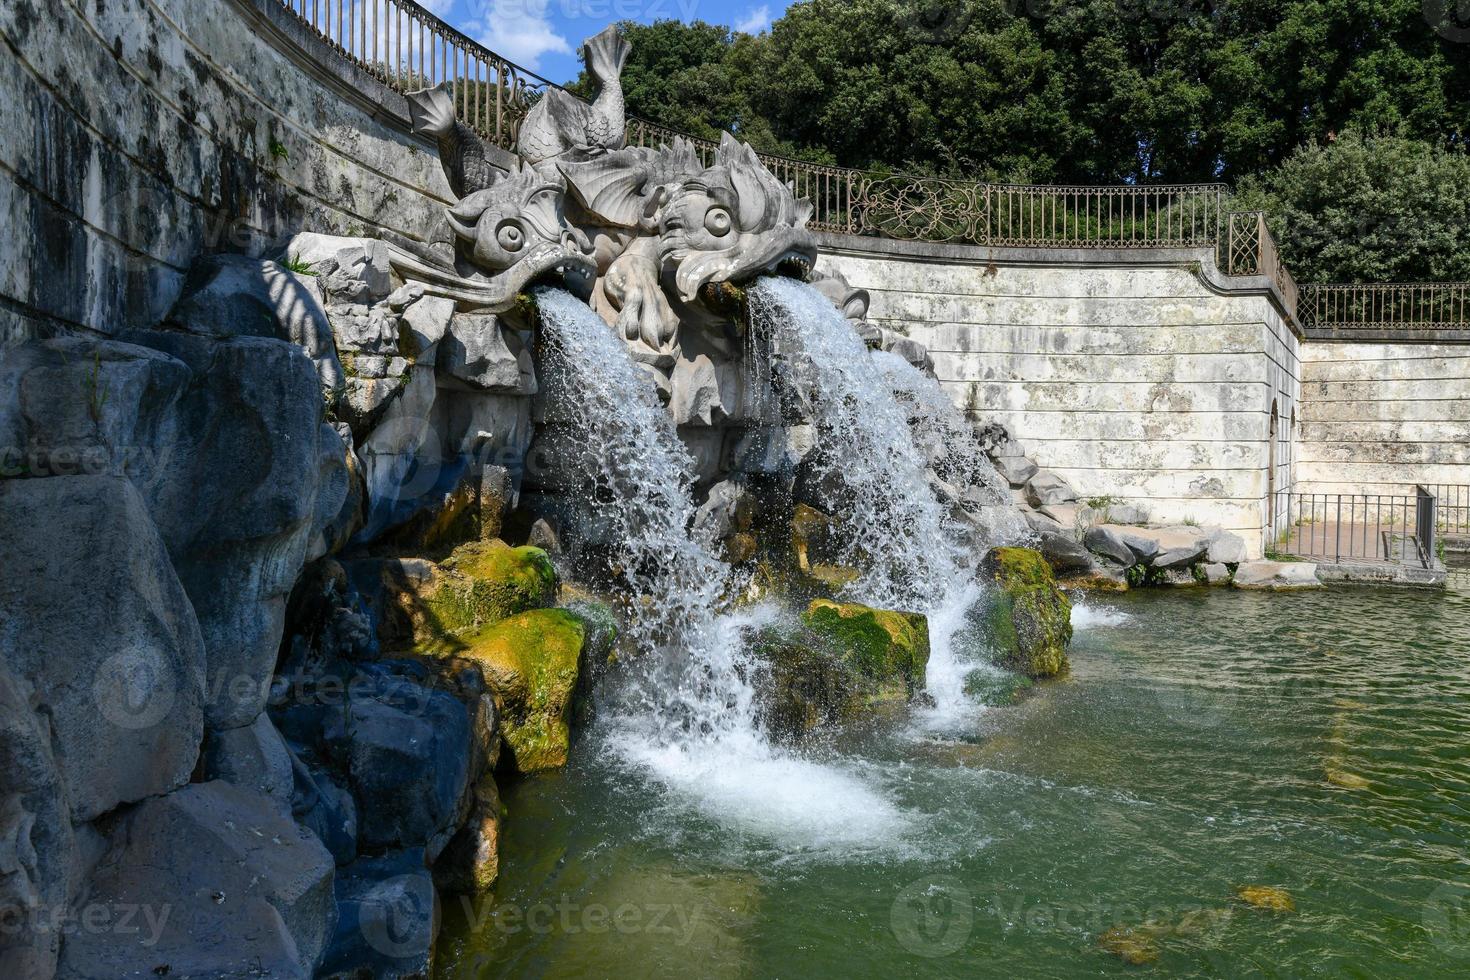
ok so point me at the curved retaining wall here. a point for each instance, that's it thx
(137, 134)
(1140, 374)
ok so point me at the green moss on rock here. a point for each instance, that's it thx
(532, 662)
(839, 663)
(888, 647)
(480, 584)
(1028, 618)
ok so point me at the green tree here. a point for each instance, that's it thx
(1368, 209)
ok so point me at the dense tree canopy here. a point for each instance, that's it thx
(1382, 209)
(1082, 91)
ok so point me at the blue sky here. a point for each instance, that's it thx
(543, 34)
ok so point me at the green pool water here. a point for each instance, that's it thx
(1207, 740)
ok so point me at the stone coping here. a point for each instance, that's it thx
(1199, 260)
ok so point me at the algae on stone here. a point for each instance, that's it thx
(479, 585)
(839, 663)
(532, 662)
(888, 647)
(1028, 618)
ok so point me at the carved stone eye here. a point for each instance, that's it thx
(510, 237)
(717, 222)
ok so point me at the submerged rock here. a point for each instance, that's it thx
(1028, 618)
(1136, 947)
(532, 663)
(1266, 897)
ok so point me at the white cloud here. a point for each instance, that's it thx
(755, 21)
(436, 7)
(519, 30)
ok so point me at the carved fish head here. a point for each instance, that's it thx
(516, 232)
(732, 222)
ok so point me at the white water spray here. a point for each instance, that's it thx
(903, 538)
(688, 717)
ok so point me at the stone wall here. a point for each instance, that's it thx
(137, 134)
(1143, 375)
(1377, 418)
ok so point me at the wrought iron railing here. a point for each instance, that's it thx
(1247, 248)
(1381, 307)
(406, 47)
(1398, 529)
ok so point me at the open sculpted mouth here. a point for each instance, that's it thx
(554, 265)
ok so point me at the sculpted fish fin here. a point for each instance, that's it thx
(432, 112)
(614, 188)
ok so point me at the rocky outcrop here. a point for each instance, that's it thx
(230, 887)
(1028, 619)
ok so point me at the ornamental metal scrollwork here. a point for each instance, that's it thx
(927, 209)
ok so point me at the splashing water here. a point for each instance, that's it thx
(865, 459)
(876, 467)
(688, 717)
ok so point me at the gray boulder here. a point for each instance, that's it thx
(1216, 574)
(73, 406)
(1277, 575)
(1064, 553)
(236, 501)
(1046, 488)
(254, 757)
(1179, 547)
(407, 752)
(96, 625)
(1015, 470)
(1225, 548)
(237, 296)
(427, 320)
(39, 847)
(228, 888)
(480, 353)
(1108, 541)
(388, 919)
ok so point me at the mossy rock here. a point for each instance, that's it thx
(888, 647)
(839, 663)
(480, 584)
(1027, 617)
(532, 662)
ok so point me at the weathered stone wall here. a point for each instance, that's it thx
(137, 134)
(1377, 418)
(1141, 375)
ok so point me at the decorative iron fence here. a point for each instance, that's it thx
(1397, 529)
(407, 48)
(1380, 307)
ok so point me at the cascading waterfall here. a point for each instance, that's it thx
(688, 719)
(901, 536)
